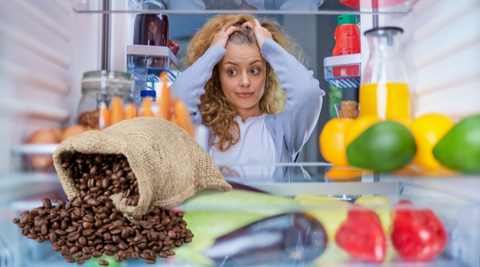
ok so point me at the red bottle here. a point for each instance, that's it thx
(347, 36)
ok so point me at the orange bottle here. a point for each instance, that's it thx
(148, 107)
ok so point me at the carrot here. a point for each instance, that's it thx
(165, 100)
(117, 110)
(183, 117)
(130, 111)
(104, 118)
(146, 108)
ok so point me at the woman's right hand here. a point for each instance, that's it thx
(221, 37)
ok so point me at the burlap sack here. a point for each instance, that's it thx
(169, 164)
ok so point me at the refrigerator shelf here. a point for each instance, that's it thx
(343, 72)
(386, 7)
(458, 214)
(34, 149)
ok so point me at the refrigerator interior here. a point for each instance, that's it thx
(47, 45)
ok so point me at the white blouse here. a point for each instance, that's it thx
(254, 146)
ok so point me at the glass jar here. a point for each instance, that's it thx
(107, 98)
(384, 91)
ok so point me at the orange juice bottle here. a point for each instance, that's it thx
(384, 91)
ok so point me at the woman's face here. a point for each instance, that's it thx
(242, 74)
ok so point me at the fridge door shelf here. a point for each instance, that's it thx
(343, 72)
(146, 63)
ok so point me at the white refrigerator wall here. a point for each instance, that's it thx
(44, 47)
(441, 51)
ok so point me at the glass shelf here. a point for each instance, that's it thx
(312, 7)
(223, 212)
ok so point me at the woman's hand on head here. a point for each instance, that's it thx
(260, 32)
(221, 37)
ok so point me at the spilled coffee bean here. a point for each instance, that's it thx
(102, 175)
(90, 225)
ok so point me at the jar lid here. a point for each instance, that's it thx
(145, 93)
(109, 78)
(383, 31)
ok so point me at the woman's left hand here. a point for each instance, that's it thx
(260, 32)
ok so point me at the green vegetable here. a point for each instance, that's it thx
(459, 149)
(384, 147)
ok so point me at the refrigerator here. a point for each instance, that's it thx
(47, 45)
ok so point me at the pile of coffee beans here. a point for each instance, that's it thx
(102, 175)
(90, 225)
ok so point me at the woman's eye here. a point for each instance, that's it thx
(255, 71)
(231, 72)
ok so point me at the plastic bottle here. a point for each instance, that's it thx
(149, 107)
(347, 36)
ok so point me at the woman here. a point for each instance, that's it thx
(230, 85)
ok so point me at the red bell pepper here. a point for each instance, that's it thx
(362, 236)
(418, 234)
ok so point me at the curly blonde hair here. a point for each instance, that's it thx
(217, 112)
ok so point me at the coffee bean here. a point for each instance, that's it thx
(32, 236)
(109, 253)
(63, 225)
(111, 248)
(98, 223)
(116, 224)
(163, 255)
(97, 254)
(171, 234)
(116, 231)
(85, 250)
(116, 190)
(80, 261)
(98, 158)
(73, 236)
(79, 254)
(88, 218)
(44, 229)
(73, 250)
(103, 263)
(82, 240)
(71, 229)
(70, 259)
(87, 225)
(93, 201)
